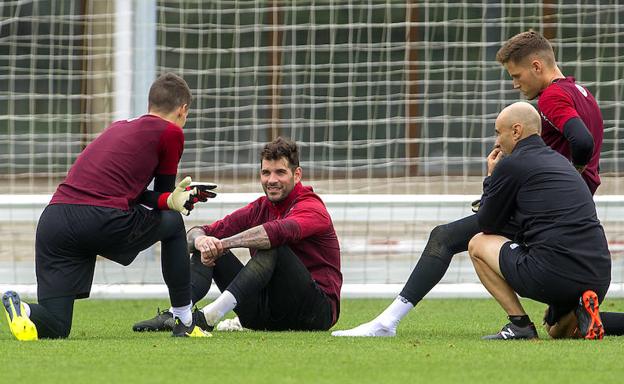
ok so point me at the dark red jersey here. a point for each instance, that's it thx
(300, 221)
(116, 168)
(562, 101)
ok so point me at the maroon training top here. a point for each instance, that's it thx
(558, 103)
(300, 221)
(115, 169)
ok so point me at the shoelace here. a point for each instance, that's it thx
(159, 312)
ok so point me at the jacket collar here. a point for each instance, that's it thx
(529, 141)
(283, 205)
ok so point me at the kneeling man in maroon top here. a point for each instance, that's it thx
(104, 207)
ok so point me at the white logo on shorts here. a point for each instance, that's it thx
(513, 245)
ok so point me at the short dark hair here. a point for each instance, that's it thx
(282, 148)
(168, 92)
(523, 45)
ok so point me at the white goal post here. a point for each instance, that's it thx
(381, 237)
(390, 102)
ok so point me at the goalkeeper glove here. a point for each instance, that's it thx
(202, 192)
(180, 197)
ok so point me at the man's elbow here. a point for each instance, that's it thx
(485, 226)
(586, 147)
(581, 141)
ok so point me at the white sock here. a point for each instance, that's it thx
(26, 308)
(183, 313)
(384, 325)
(170, 310)
(396, 311)
(218, 308)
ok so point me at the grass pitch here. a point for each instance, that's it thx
(439, 342)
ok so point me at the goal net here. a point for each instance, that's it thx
(385, 98)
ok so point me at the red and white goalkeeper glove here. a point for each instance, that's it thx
(185, 195)
(201, 193)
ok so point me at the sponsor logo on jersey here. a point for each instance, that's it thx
(581, 89)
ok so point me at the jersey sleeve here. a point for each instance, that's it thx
(305, 219)
(170, 150)
(238, 221)
(556, 107)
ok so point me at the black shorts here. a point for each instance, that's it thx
(528, 279)
(69, 237)
(291, 300)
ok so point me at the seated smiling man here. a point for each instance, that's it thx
(293, 279)
(559, 256)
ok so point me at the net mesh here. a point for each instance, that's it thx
(383, 96)
(388, 97)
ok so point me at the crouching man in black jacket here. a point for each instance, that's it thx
(559, 255)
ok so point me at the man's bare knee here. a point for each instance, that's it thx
(473, 246)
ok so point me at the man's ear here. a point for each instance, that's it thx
(516, 131)
(537, 65)
(298, 174)
(183, 110)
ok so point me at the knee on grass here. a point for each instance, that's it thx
(564, 328)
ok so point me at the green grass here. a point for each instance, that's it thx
(437, 343)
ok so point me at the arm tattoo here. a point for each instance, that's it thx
(255, 237)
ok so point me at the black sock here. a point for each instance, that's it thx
(613, 323)
(427, 273)
(520, 321)
(444, 242)
(53, 317)
(201, 278)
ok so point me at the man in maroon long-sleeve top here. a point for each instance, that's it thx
(101, 209)
(293, 279)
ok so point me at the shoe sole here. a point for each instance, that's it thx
(196, 332)
(589, 303)
(20, 325)
(149, 329)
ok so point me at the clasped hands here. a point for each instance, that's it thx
(209, 247)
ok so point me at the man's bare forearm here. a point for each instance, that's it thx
(255, 237)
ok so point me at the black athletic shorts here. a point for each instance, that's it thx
(528, 279)
(69, 237)
(290, 301)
